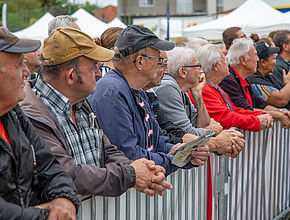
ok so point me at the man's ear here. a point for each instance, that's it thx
(182, 73)
(243, 60)
(139, 61)
(286, 47)
(215, 66)
(70, 76)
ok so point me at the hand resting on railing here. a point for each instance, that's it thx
(228, 142)
(266, 121)
(150, 178)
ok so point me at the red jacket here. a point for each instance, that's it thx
(218, 110)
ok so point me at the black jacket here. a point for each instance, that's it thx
(232, 86)
(29, 173)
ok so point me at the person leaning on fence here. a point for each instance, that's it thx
(243, 63)
(30, 175)
(57, 107)
(175, 106)
(263, 82)
(218, 102)
(122, 107)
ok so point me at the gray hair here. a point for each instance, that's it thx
(240, 47)
(60, 21)
(207, 56)
(196, 43)
(178, 57)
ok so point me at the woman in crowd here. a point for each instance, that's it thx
(108, 40)
(262, 81)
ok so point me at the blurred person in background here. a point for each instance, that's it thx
(108, 40)
(62, 21)
(230, 34)
(196, 43)
(32, 61)
(282, 40)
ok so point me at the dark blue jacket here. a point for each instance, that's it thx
(122, 120)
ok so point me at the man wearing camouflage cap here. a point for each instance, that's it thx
(121, 106)
(57, 106)
(29, 173)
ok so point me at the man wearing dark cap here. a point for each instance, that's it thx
(56, 105)
(121, 106)
(29, 174)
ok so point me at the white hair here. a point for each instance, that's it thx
(178, 57)
(240, 47)
(196, 43)
(60, 21)
(207, 56)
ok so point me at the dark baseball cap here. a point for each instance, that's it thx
(134, 38)
(12, 44)
(264, 50)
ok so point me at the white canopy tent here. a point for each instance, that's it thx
(89, 24)
(116, 22)
(249, 12)
(271, 24)
(38, 30)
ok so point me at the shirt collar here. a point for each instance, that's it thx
(54, 97)
(244, 83)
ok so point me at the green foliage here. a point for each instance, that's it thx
(22, 13)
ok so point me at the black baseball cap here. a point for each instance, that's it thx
(134, 38)
(12, 44)
(264, 50)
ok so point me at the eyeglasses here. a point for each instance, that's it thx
(197, 66)
(159, 59)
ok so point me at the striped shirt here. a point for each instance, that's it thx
(263, 91)
(83, 139)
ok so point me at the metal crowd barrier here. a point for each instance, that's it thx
(255, 185)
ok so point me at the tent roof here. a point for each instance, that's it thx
(89, 24)
(247, 13)
(271, 24)
(116, 22)
(38, 30)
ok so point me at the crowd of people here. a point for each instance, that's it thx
(99, 116)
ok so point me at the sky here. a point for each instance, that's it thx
(100, 3)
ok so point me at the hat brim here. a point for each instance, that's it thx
(163, 45)
(273, 50)
(23, 46)
(100, 54)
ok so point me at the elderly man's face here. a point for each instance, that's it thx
(223, 66)
(251, 61)
(152, 61)
(161, 70)
(12, 74)
(32, 60)
(193, 73)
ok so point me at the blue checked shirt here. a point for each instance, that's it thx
(83, 139)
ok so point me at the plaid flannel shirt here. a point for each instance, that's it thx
(83, 139)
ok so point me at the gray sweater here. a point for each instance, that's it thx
(175, 106)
